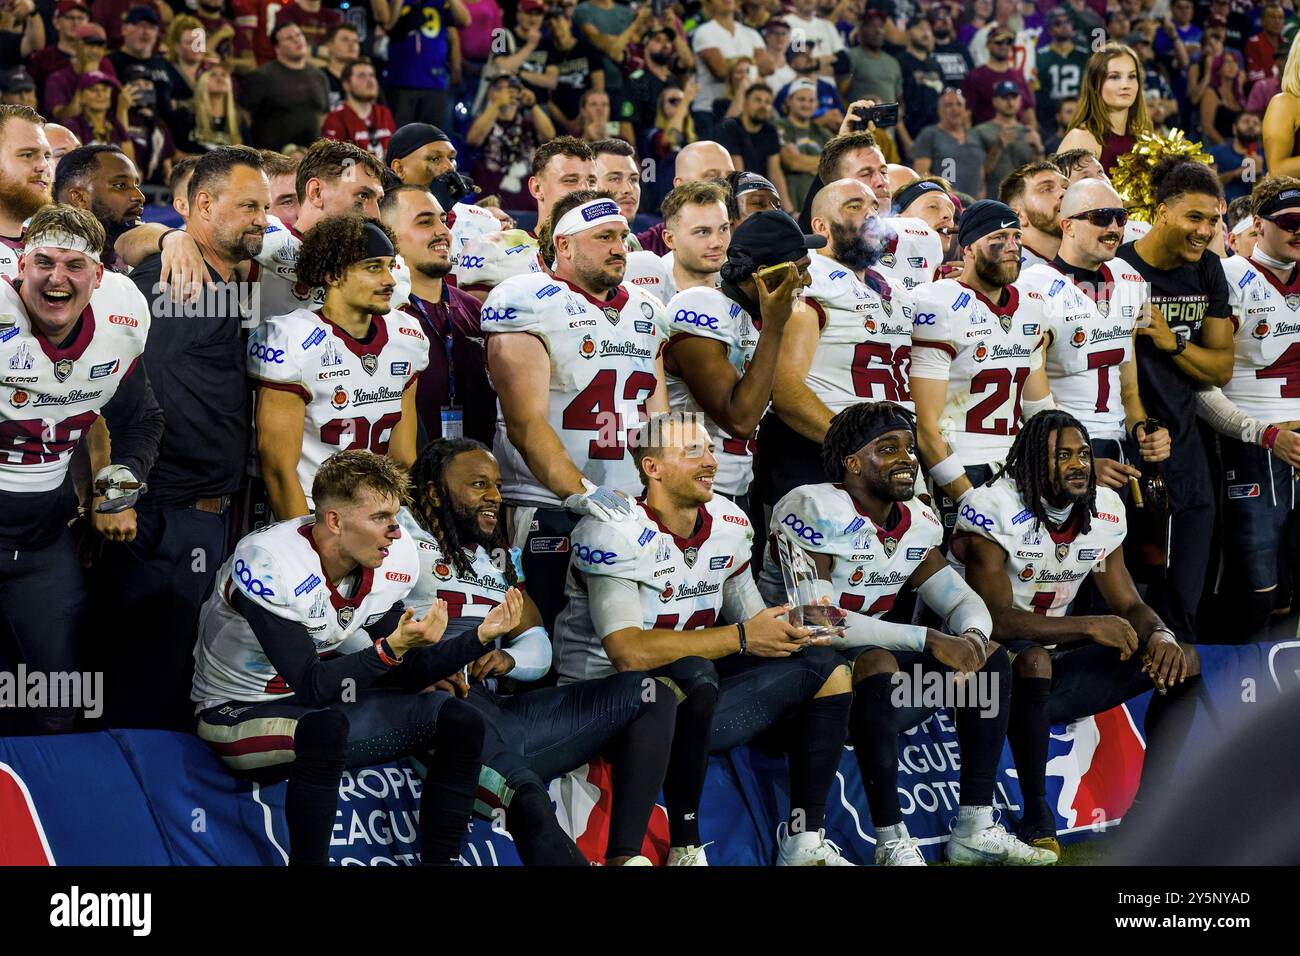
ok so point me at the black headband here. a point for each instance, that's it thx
(897, 420)
(1286, 199)
(912, 192)
(377, 242)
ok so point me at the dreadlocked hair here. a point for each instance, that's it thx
(841, 437)
(439, 519)
(1030, 466)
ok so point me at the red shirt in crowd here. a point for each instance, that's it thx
(371, 135)
(979, 92)
(1261, 59)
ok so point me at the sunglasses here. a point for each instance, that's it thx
(999, 43)
(1287, 221)
(1104, 217)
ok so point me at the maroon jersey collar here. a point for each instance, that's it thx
(377, 341)
(336, 599)
(1007, 308)
(703, 525)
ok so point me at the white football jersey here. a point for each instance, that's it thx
(278, 288)
(1029, 258)
(602, 371)
(1045, 567)
(52, 396)
(869, 565)
(353, 392)
(469, 223)
(679, 580)
(487, 261)
(865, 349)
(991, 348)
(1091, 335)
(913, 251)
(279, 569)
(10, 249)
(647, 272)
(472, 595)
(1265, 381)
(709, 314)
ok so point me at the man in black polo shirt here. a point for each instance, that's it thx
(1186, 345)
(153, 587)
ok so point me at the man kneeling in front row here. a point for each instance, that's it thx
(283, 690)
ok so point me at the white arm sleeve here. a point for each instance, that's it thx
(740, 598)
(860, 629)
(531, 651)
(1226, 418)
(929, 362)
(1029, 407)
(615, 604)
(946, 593)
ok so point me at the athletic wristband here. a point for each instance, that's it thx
(947, 471)
(163, 238)
(1029, 407)
(384, 652)
(1270, 436)
(744, 644)
(984, 639)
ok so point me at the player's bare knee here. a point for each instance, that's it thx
(840, 682)
(873, 662)
(1033, 662)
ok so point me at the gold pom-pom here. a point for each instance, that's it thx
(1131, 175)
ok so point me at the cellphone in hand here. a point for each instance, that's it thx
(882, 116)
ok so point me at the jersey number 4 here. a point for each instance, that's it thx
(595, 409)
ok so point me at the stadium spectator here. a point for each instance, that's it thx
(17, 88)
(875, 73)
(1060, 124)
(342, 46)
(419, 80)
(103, 180)
(210, 118)
(1008, 144)
(730, 102)
(507, 133)
(660, 65)
(1180, 45)
(1085, 18)
(115, 15)
(950, 148)
(1061, 65)
(60, 90)
(316, 21)
(419, 153)
(1240, 161)
(287, 98)
(816, 35)
(578, 68)
(1265, 48)
(187, 48)
(922, 82)
(752, 140)
(801, 142)
(830, 108)
(485, 20)
(196, 358)
(976, 17)
(525, 51)
(222, 38)
(981, 84)
(282, 174)
(1223, 99)
(1281, 131)
(612, 28)
(672, 129)
(69, 17)
(94, 121)
(953, 57)
(151, 139)
(749, 193)
(1112, 109)
(776, 37)
(140, 30)
(22, 31)
(717, 43)
(594, 118)
(361, 119)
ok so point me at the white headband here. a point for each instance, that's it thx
(588, 216)
(1242, 226)
(54, 239)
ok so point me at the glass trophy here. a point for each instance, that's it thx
(800, 577)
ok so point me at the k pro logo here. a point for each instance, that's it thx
(802, 530)
(976, 519)
(697, 319)
(264, 353)
(591, 555)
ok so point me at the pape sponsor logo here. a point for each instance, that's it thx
(74, 909)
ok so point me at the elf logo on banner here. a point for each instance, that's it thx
(24, 842)
(1243, 491)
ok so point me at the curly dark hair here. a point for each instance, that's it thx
(1174, 177)
(429, 474)
(840, 440)
(334, 245)
(1030, 467)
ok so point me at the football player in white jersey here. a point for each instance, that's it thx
(533, 737)
(724, 343)
(922, 206)
(26, 178)
(1027, 540)
(697, 229)
(1258, 411)
(308, 663)
(867, 536)
(1034, 191)
(853, 341)
(560, 166)
(645, 593)
(339, 378)
(1091, 304)
(576, 361)
(66, 357)
(977, 366)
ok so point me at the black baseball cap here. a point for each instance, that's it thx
(770, 238)
(143, 13)
(17, 80)
(1006, 88)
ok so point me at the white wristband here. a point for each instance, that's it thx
(1029, 407)
(948, 470)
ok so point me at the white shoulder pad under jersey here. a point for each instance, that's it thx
(279, 569)
(708, 314)
(865, 348)
(1266, 359)
(1045, 568)
(646, 271)
(869, 564)
(50, 397)
(10, 250)
(353, 391)
(1135, 229)
(913, 251)
(1090, 334)
(990, 348)
(679, 580)
(468, 223)
(602, 370)
(487, 261)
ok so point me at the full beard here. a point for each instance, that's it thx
(469, 531)
(993, 273)
(22, 200)
(858, 248)
(1044, 223)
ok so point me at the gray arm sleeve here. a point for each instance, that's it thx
(946, 593)
(740, 597)
(531, 651)
(1226, 418)
(615, 604)
(862, 629)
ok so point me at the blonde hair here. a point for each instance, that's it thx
(344, 475)
(1291, 72)
(1093, 115)
(661, 118)
(204, 132)
(179, 25)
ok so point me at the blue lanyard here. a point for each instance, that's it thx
(446, 345)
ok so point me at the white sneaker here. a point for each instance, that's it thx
(904, 852)
(806, 849)
(994, 845)
(687, 856)
(638, 861)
